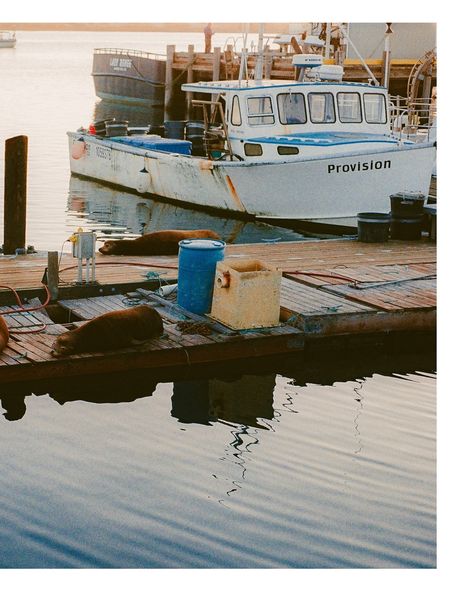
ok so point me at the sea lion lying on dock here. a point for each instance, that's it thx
(115, 329)
(159, 242)
(4, 334)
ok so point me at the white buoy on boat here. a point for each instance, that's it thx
(144, 181)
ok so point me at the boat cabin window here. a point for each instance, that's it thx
(253, 149)
(321, 107)
(260, 111)
(236, 112)
(291, 106)
(349, 107)
(287, 150)
(375, 108)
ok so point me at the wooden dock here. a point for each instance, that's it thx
(225, 65)
(330, 288)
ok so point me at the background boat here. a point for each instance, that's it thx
(7, 39)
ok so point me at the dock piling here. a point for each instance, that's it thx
(168, 89)
(216, 65)
(53, 275)
(190, 79)
(16, 158)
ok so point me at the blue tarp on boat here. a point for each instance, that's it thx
(156, 142)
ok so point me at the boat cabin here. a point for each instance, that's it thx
(278, 119)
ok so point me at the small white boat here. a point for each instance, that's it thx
(312, 148)
(7, 39)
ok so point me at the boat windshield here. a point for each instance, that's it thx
(291, 107)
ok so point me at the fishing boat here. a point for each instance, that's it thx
(315, 147)
(7, 39)
(129, 76)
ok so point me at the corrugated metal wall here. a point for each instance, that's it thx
(408, 40)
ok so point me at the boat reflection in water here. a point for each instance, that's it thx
(136, 115)
(109, 211)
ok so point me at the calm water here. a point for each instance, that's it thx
(328, 463)
(289, 467)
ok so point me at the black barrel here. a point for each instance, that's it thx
(407, 212)
(431, 214)
(373, 227)
(195, 134)
(406, 229)
(174, 129)
(407, 205)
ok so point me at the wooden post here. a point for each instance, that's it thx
(228, 60)
(53, 275)
(14, 218)
(170, 49)
(268, 63)
(190, 79)
(216, 64)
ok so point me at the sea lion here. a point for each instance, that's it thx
(159, 242)
(4, 334)
(115, 329)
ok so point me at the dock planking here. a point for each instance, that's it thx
(25, 272)
(28, 356)
(329, 288)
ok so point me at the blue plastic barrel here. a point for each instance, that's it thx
(197, 262)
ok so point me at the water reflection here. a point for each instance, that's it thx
(14, 405)
(137, 116)
(244, 400)
(234, 392)
(110, 211)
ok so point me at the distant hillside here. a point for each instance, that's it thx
(145, 27)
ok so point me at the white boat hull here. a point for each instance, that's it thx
(323, 187)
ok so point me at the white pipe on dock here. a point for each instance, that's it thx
(259, 60)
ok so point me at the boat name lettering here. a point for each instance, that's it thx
(120, 64)
(103, 152)
(359, 166)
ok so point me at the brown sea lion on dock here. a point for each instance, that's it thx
(115, 329)
(4, 334)
(159, 242)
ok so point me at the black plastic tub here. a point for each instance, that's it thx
(195, 129)
(407, 205)
(406, 229)
(373, 227)
(157, 130)
(100, 126)
(116, 128)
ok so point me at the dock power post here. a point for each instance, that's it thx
(83, 248)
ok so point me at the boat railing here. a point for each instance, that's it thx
(128, 52)
(413, 119)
